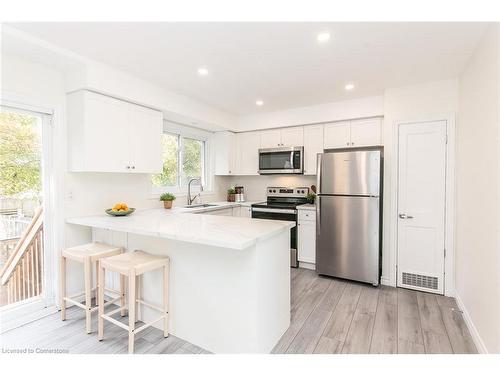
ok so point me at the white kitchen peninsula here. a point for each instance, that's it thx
(230, 276)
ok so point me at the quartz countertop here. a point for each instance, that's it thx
(216, 206)
(308, 206)
(186, 224)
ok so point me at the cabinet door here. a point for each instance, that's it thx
(270, 138)
(245, 211)
(224, 148)
(292, 136)
(337, 135)
(146, 126)
(307, 241)
(366, 132)
(106, 134)
(248, 153)
(313, 145)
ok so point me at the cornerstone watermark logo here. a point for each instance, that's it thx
(34, 351)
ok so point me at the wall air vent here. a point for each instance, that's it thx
(420, 281)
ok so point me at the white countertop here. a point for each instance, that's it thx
(308, 207)
(217, 206)
(184, 224)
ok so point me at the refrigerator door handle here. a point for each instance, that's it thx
(318, 173)
(318, 215)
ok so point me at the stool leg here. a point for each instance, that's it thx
(88, 289)
(166, 270)
(97, 283)
(122, 295)
(62, 291)
(100, 320)
(131, 312)
(138, 315)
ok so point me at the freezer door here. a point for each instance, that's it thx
(347, 237)
(349, 172)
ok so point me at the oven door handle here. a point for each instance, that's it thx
(274, 210)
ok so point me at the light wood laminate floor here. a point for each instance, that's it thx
(328, 316)
(337, 316)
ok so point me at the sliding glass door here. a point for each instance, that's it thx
(24, 180)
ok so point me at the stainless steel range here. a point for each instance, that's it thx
(281, 204)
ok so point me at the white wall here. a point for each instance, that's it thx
(478, 187)
(74, 194)
(113, 82)
(347, 109)
(255, 186)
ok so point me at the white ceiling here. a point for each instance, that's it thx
(280, 63)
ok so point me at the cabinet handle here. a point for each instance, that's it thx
(128, 166)
(133, 167)
(352, 143)
(347, 143)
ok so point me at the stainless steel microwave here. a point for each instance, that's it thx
(281, 160)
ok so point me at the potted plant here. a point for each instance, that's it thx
(231, 194)
(311, 197)
(167, 199)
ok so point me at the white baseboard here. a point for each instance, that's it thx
(309, 266)
(386, 281)
(472, 328)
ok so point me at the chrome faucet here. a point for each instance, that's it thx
(189, 199)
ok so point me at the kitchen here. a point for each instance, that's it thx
(257, 220)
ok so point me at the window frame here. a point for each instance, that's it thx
(182, 132)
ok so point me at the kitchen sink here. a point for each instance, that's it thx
(201, 205)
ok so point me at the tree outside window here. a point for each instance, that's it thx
(183, 159)
(20, 151)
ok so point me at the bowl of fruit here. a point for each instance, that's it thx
(120, 209)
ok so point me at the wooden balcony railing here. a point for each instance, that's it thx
(22, 274)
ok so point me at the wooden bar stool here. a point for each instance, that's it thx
(87, 254)
(133, 265)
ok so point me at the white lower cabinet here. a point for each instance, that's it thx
(245, 211)
(306, 236)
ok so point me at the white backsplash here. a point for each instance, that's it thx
(255, 186)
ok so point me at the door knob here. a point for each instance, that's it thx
(405, 216)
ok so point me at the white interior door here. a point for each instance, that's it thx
(421, 206)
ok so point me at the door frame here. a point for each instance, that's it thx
(25, 311)
(449, 238)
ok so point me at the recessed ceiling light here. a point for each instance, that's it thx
(323, 37)
(259, 102)
(349, 86)
(202, 71)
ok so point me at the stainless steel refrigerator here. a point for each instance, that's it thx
(349, 214)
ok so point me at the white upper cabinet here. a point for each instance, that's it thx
(282, 137)
(270, 138)
(247, 145)
(366, 132)
(225, 153)
(110, 135)
(356, 133)
(337, 135)
(145, 128)
(313, 145)
(292, 136)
